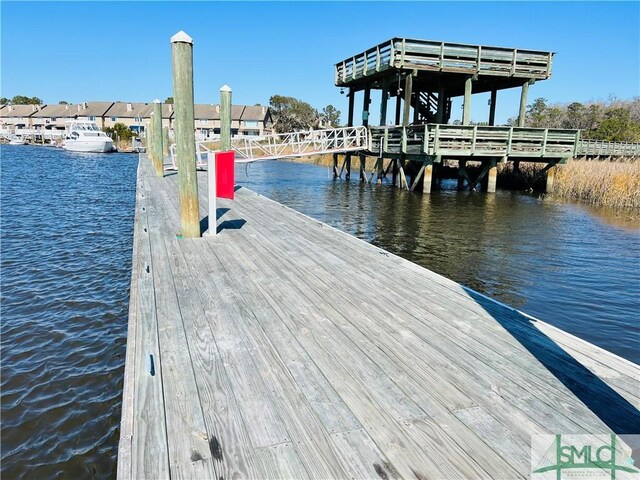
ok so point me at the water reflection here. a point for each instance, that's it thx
(554, 260)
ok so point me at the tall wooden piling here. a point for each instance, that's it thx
(441, 102)
(225, 118)
(165, 141)
(466, 112)
(158, 153)
(182, 58)
(523, 104)
(365, 122)
(408, 90)
(492, 107)
(347, 160)
(149, 137)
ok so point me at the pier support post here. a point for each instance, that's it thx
(466, 112)
(335, 165)
(492, 176)
(551, 175)
(182, 59)
(157, 138)
(427, 176)
(225, 118)
(492, 107)
(408, 90)
(347, 160)
(462, 174)
(441, 104)
(523, 103)
(384, 101)
(149, 137)
(165, 141)
(365, 122)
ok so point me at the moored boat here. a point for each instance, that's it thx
(86, 136)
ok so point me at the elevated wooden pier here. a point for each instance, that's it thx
(283, 348)
(424, 76)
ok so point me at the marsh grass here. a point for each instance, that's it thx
(609, 184)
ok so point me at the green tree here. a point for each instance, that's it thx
(169, 100)
(617, 126)
(22, 100)
(331, 116)
(121, 129)
(536, 112)
(4, 100)
(63, 102)
(290, 114)
(576, 116)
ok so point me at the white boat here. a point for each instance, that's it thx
(16, 140)
(85, 136)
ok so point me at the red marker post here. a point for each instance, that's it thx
(221, 183)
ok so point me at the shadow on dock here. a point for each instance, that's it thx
(614, 410)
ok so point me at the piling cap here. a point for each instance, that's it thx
(225, 88)
(181, 37)
(157, 100)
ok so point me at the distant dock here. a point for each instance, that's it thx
(284, 348)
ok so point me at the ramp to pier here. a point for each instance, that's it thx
(284, 348)
(286, 145)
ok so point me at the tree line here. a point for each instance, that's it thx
(613, 120)
(290, 114)
(24, 100)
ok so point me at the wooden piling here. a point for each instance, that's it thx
(165, 142)
(225, 118)
(427, 176)
(492, 176)
(551, 175)
(158, 155)
(149, 138)
(466, 112)
(365, 122)
(441, 104)
(408, 90)
(462, 174)
(492, 107)
(384, 101)
(523, 104)
(182, 57)
(347, 160)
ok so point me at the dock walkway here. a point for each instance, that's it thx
(284, 348)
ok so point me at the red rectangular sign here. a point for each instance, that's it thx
(225, 175)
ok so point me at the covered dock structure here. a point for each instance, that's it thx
(424, 76)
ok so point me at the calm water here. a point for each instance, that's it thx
(66, 256)
(67, 224)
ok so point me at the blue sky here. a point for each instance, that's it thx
(120, 50)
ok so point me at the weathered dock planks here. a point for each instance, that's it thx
(283, 348)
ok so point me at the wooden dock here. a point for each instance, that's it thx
(283, 348)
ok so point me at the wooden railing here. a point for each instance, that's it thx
(407, 53)
(473, 140)
(601, 148)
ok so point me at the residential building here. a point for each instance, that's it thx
(53, 117)
(255, 120)
(93, 111)
(136, 115)
(245, 120)
(17, 116)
